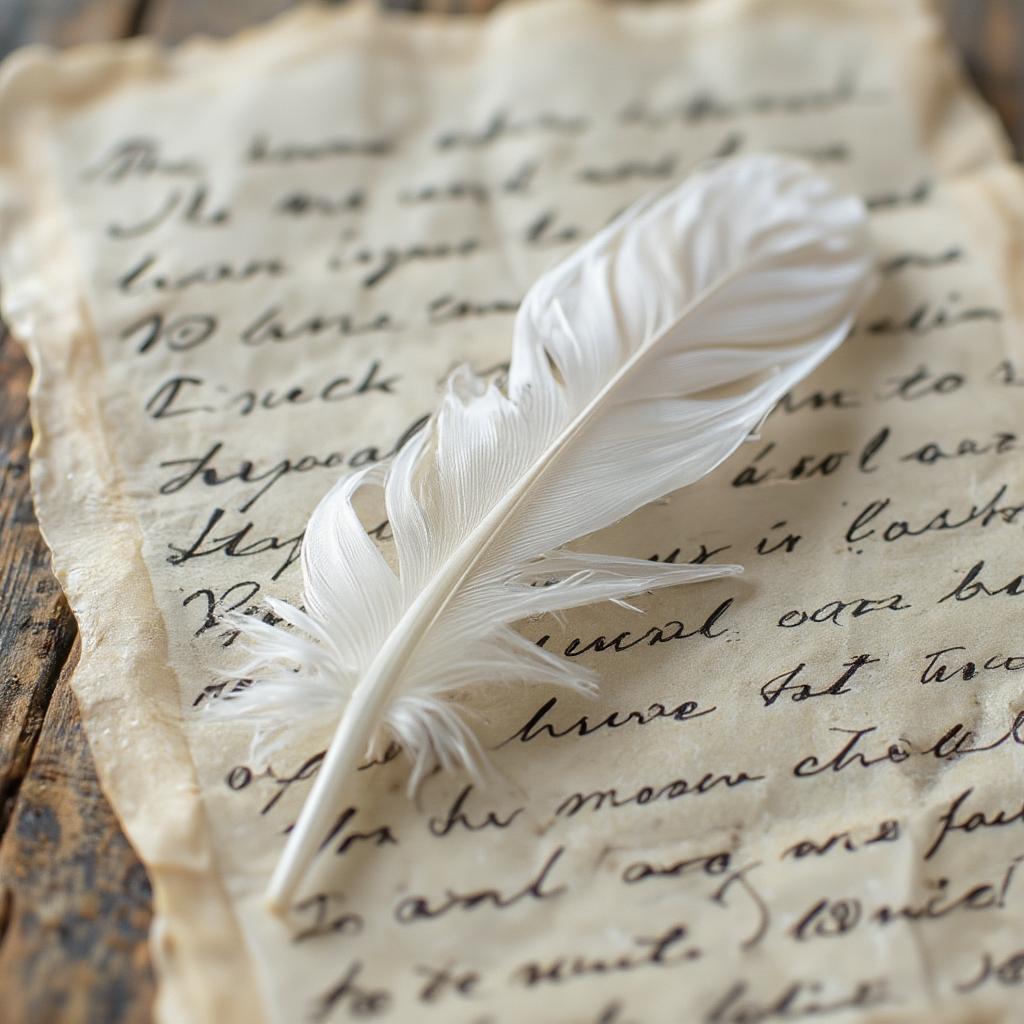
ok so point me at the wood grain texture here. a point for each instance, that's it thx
(990, 37)
(76, 909)
(171, 21)
(74, 901)
(36, 628)
(65, 22)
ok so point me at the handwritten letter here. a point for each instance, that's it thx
(243, 269)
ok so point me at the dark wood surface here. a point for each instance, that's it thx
(74, 900)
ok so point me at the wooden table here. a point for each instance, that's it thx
(74, 900)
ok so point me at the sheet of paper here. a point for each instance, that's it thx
(242, 268)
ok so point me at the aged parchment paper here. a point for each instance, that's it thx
(242, 267)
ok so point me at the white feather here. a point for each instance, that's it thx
(638, 365)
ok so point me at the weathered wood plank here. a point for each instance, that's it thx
(36, 628)
(75, 915)
(174, 20)
(990, 38)
(64, 22)
(171, 21)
